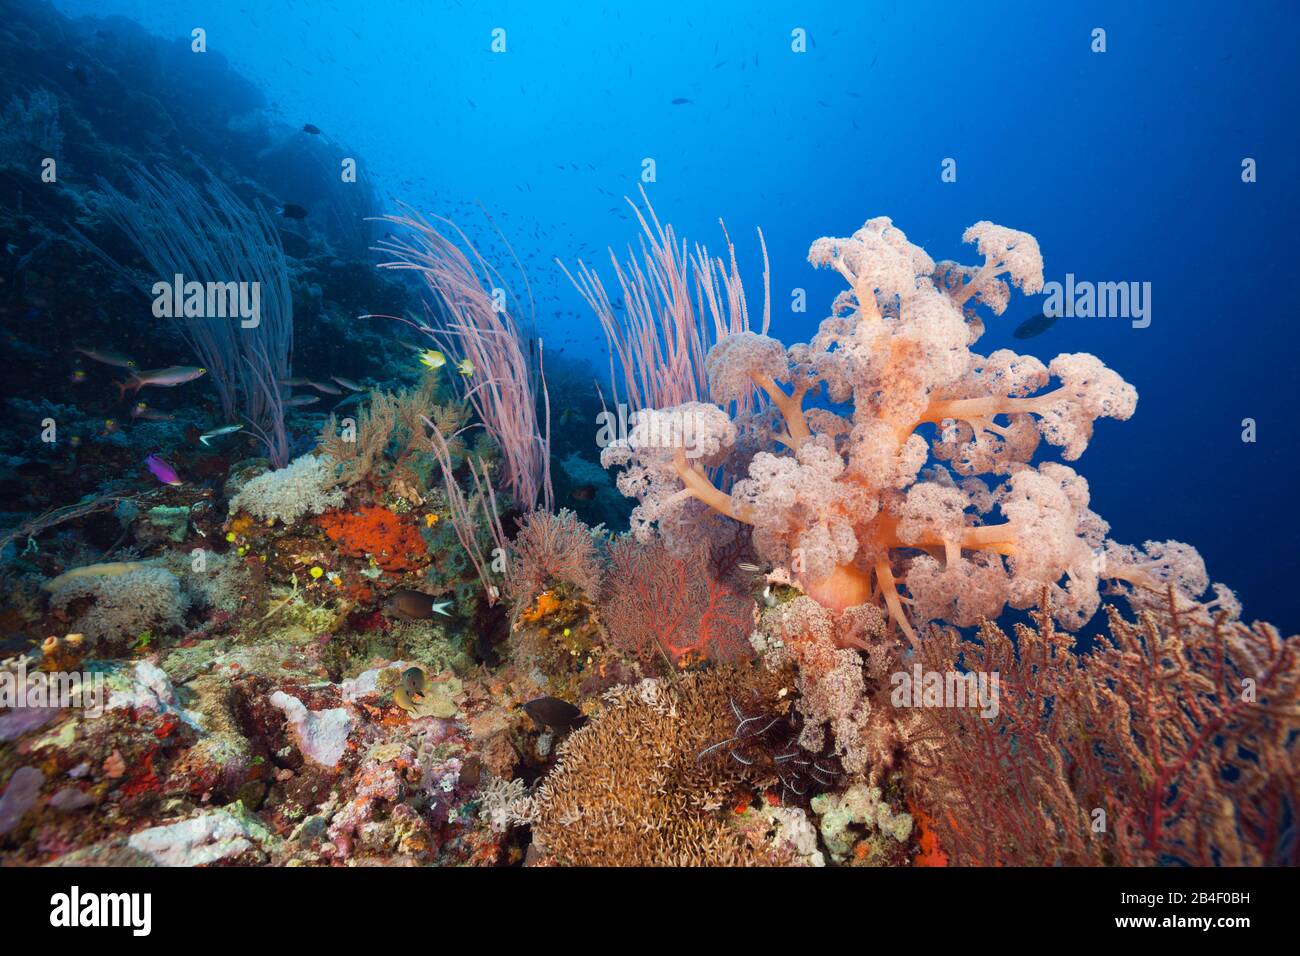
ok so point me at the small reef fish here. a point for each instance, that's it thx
(292, 382)
(78, 376)
(347, 383)
(465, 367)
(301, 401)
(415, 605)
(142, 410)
(432, 359)
(107, 357)
(412, 692)
(414, 682)
(291, 210)
(326, 389)
(583, 493)
(311, 128)
(682, 101)
(551, 713)
(206, 437)
(1037, 325)
(110, 426)
(167, 377)
(162, 471)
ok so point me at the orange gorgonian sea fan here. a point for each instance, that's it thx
(690, 607)
(1172, 742)
(552, 549)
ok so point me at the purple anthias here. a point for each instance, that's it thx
(162, 471)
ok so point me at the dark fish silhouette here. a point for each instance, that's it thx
(551, 713)
(292, 210)
(681, 101)
(415, 605)
(310, 128)
(583, 493)
(1035, 326)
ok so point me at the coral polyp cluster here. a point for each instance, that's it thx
(831, 473)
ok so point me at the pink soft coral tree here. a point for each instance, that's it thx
(840, 496)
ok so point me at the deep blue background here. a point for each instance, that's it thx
(1126, 166)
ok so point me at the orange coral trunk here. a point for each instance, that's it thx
(843, 588)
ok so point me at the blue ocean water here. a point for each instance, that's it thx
(1125, 164)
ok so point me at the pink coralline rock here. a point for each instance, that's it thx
(321, 735)
(18, 721)
(20, 795)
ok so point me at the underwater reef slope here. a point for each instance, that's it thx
(304, 586)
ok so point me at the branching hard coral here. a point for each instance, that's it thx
(842, 503)
(629, 789)
(552, 549)
(1173, 741)
(692, 608)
